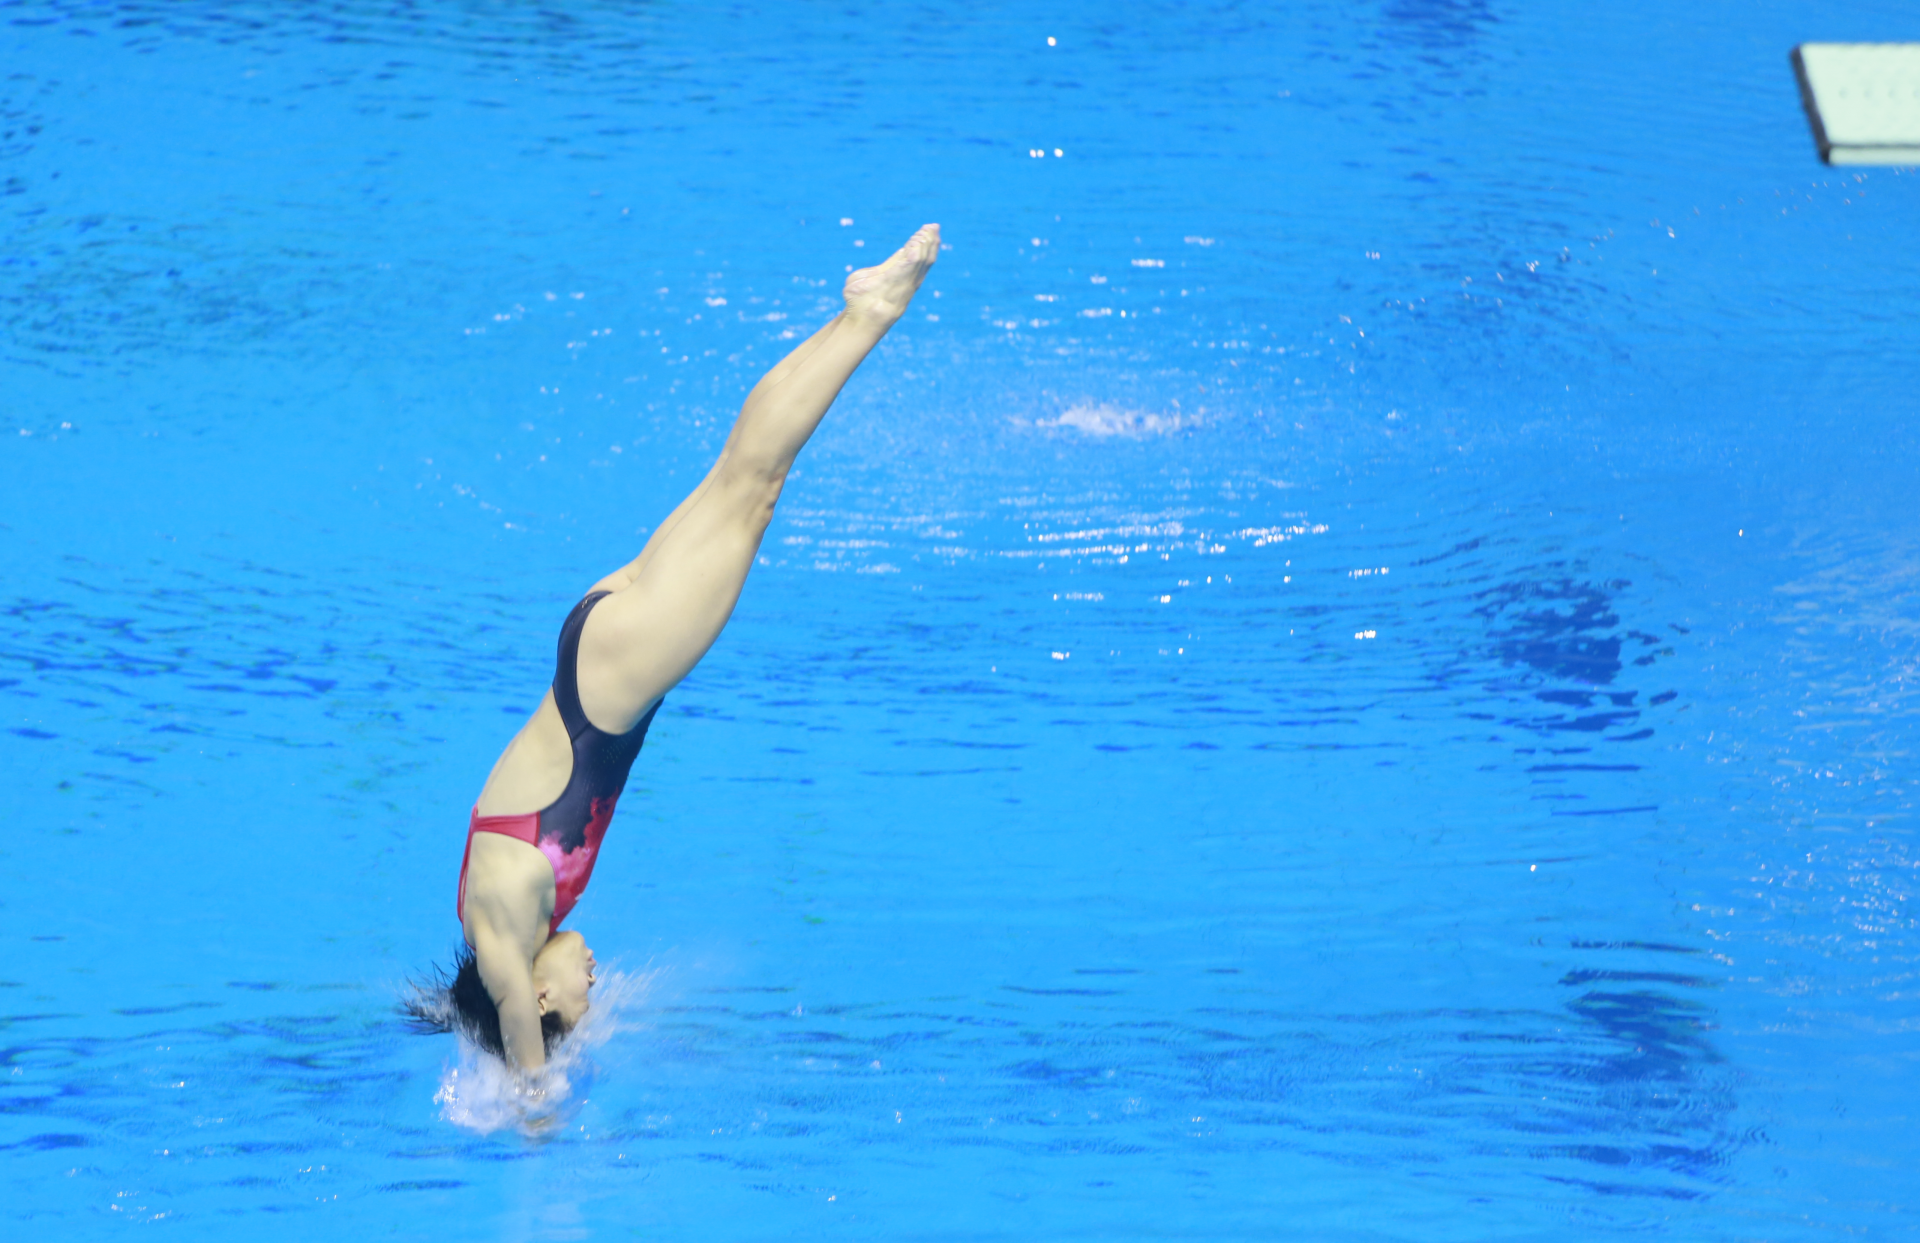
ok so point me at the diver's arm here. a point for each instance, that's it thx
(508, 975)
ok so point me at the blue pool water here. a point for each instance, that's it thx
(1349, 673)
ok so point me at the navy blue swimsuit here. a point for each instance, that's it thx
(568, 831)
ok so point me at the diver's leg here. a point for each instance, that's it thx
(626, 574)
(670, 603)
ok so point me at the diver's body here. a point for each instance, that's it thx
(554, 784)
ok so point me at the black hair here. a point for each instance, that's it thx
(458, 1000)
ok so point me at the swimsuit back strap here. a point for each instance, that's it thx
(566, 673)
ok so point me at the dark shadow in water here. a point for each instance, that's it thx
(1438, 25)
(1563, 629)
(1558, 626)
(1638, 1092)
(1659, 1037)
(1650, 1099)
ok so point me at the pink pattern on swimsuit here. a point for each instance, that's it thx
(571, 869)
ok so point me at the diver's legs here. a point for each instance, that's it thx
(670, 603)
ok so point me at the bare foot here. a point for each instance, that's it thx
(882, 293)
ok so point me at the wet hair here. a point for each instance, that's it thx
(457, 1000)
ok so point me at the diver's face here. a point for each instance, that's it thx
(562, 975)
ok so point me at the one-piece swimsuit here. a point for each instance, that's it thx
(568, 831)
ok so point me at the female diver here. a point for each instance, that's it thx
(519, 982)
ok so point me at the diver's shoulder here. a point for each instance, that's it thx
(510, 891)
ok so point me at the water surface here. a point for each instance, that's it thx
(1350, 674)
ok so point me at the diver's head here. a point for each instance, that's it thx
(562, 973)
(458, 1000)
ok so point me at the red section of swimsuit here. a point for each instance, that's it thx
(525, 828)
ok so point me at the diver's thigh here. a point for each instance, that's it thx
(639, 642)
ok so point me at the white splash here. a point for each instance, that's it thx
(1107, 420)
(481, 1093)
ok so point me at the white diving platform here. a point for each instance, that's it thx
(1862, 99)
